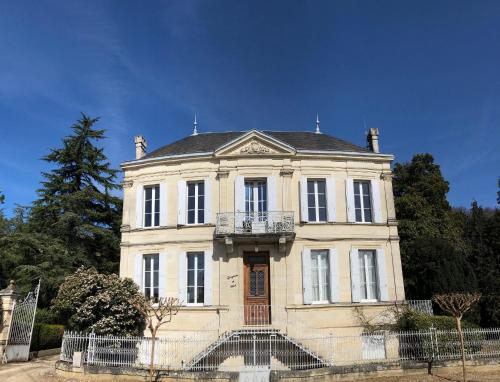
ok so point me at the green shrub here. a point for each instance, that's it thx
(46, 336)
(45, 316)
(411, 320)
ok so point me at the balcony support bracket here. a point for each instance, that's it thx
(282, 244)
(229, 245)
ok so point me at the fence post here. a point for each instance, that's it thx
(435, 343)
(91, 348)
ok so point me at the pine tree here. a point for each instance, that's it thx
(76, 204)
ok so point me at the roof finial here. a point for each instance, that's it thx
(195, 126)
(317, 124)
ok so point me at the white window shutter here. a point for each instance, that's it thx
(163, 204)
(306, 276)
(138, 271)
(334, 275)
(304, 213)
(330, 199)
(377, 211)
(207, 295)
(181, 194)
(349, 191)
(182, 278)
(271, 193)
(208, 201)
(355, 279)
(162, 274)
(382, 276)
(139, 202)
(239, 194)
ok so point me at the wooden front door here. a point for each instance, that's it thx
(257, 301)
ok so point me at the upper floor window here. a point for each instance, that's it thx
(362, 201)
(196, 202)
(151, 276)
(255, 196)
(195, 277)
(320, 274)
(368, 275)
(316, 200)
(152, 206)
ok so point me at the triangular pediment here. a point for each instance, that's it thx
(255, 143)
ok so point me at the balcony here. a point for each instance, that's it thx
(252, 225)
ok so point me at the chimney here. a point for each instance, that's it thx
(372, 140)
(140, 147)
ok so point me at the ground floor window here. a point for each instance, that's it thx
(195, 277)
(151, 267)
(368, 275)
(320, 274)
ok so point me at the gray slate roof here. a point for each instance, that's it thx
(209, 142)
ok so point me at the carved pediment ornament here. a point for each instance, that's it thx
(255, 147)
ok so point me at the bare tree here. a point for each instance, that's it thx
(457, 304)
(156, 312)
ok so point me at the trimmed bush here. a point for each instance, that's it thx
(411, 320)
(46, 336)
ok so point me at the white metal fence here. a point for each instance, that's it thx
(275, 350)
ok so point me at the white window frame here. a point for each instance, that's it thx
(316, 200)
(153, 187)
(152, 256)
(322, 299)
(359, 182)
(196, 268)
(255, 194)
(366, 273)
(196, 208)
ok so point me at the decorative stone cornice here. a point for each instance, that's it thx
(127, 183)
(286, 171)
(386, 176)
(222, 173)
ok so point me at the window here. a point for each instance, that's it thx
(195, 277)
(196, 202)
(152, 206)
(316, 200)
(320, 276)
(255, 196)
(362, 201)
(151, 269)
(368, 275)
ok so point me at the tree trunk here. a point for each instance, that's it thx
(152, 360)
(462, 347)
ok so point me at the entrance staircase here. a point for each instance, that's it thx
(257, 347)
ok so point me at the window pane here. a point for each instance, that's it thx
(157, 219)
(321, 186)
(366, 188)
(148, 206)
(190, 280)
(201, 277)
(191, 189)
(191, 260)
(312, 214)
(148, 193)
(201, 216)
(191, 217)
(147, 263)
(357, 201)
(201, 261)
(201, 202)
(356, 188)
(358, 215)
(322, 200)
(147, 220)
(190, 294)
(311, 200)
(322, 214)
(201, 188)
(201, 295)
(368, 215)
(310, 186)
(191, 202)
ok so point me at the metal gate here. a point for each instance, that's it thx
(18, 343)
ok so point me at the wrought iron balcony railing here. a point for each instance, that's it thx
(255, 223)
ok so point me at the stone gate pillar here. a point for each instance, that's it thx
(8, 297)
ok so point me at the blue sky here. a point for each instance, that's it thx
(426, 73)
